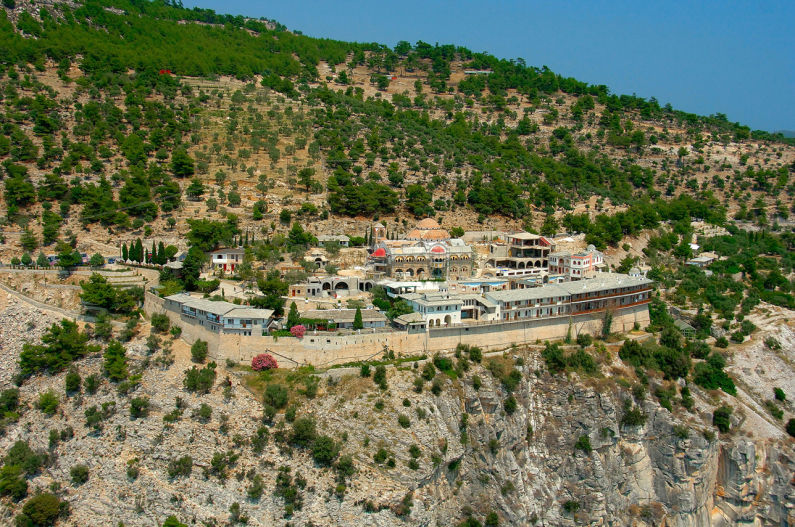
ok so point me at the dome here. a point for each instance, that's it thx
(437, 249)
(428, 223)
(379, 253)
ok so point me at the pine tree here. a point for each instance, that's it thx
(124, 254)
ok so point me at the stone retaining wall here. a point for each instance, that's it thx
(326, 349)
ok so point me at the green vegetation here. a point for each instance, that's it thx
(20, 462)
(200, 380)
(721, 418)
(97, 291)
(557, 361)
(79, 474)
(61, 345)
(115, 364)
(40, 511)
(198, 351)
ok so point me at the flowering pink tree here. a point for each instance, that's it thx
(263, 361)
(298, 331)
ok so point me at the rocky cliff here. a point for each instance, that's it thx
(564, 454)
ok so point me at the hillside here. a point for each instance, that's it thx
(350, 133)
(143, 124)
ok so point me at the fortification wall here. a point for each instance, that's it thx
(326, 349)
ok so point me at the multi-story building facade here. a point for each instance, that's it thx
(605, 291)
(522, 254)
(227, 259)
(439, 309)
(576, 266)
(221, 317)
(428, 252)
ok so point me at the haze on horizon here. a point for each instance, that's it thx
(734, 58)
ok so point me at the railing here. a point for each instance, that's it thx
(588, 299)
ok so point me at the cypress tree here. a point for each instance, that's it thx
(161, 253)
(293, 318)
(358, 323)
(139, 251)
(124, 253)
(153, 252)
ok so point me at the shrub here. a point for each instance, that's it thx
(203, 412)
(584, 340)
(476, 382)
(39, 511)
(276, 395)
(780, 395)
(132, 469)
(9, 401)
(72, 381)
(304, 432)
(404, 421)
(571, 506)
(95, 416)
(510, 405)
(791, 427)
(774, 410)
(428, 371)
(172, 521)
(710, 375)
(721, 418)
(263, 361)
(772, 343)
(12, 482)
(364, 371)
(48, 402)
(436, 386)
(444, 364)
(737, 336)
(633, 415)
(160, 322)
(475, 354)
(200, 380)
(79, 474)
(583, 443)
(380, 456)
(198, 351)
(91, 383)
(298, 331)
(681, 431)
(115, 361)
(721, 342)
(180, 467)
(380, 376)
(554, 358)
(257, 487)
(324, 450)
(139, 407)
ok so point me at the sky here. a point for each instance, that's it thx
(705, 57)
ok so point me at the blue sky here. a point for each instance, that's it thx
(736, 58)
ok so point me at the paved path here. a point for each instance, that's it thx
(73, 315)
